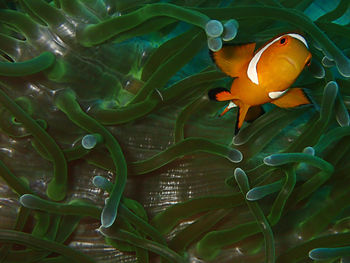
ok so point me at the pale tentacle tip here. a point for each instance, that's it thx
(214, 44)
(230, 30)
(214, 28)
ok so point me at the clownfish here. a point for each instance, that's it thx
(264, 76)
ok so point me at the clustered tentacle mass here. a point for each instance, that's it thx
(108, 138)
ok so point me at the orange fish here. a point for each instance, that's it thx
(264, 76)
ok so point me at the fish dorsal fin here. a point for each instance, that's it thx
(293, 98)
(231, 58)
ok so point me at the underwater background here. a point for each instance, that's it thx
(105, 120)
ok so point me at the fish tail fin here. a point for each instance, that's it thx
(243, 109)
(220, 94)
(293, 98)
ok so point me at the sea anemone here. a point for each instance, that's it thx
(111, 150)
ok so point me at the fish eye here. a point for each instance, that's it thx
(283, 41)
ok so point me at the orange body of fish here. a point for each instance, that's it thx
(264, 76)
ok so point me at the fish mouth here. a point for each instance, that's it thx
(308, 60)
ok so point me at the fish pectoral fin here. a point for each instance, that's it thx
(292, 98)
(220, 94)
(231, 58)
(228, 107)
(241, 115)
